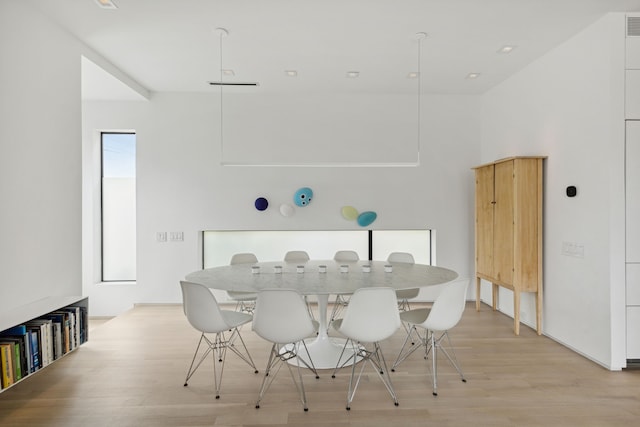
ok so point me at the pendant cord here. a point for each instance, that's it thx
(221, 110)
(419, 94)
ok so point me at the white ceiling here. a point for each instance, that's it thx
(172, 46)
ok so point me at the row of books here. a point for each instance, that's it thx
(31, 346)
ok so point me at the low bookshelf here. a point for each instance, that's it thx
(39, 333)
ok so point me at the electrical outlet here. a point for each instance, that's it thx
(573, 249)
(176, 236)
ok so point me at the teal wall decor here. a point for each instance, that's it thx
(366, 218)
(303, 197)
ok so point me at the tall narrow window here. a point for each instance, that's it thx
(118, 207)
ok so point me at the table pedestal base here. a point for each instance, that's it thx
(325, 351)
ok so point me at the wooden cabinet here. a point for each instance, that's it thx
(508, 213)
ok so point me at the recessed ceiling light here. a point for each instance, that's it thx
(228, 72)
(353, 74)
(506, 49)
(106, 4)
(413, 75)
(291, 73)
(472, 75)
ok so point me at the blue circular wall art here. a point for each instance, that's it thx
(303, 197)
(261, 204)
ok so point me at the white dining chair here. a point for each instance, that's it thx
(281, 317)
(371, 317)
(341, 301)
(346, 256)
(245, 301)
(296, 256)
(204, 314)
(300, 256)
(403, 295)
(436, 321)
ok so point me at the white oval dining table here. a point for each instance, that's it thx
(339, 278)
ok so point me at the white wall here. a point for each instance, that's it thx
(568, 105)
(322, 128)
(182, 187)
(40, 164)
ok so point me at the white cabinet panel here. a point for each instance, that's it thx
(633, 285)
(632, 94)
(633, 332)
(633, 237)
(633, 191)
(633, 53)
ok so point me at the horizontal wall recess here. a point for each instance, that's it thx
(320, 129)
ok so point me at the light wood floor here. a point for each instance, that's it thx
(131, 373)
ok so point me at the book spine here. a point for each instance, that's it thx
(27, 354)
(16, 330)
(7, 368)
(17, 359)
(35, 350)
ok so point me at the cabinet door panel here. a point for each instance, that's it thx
(526, 215)
(484, 220)
(503, 222)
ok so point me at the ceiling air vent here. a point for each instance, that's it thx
(633, 26)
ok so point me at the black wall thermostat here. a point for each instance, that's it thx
(572, 191)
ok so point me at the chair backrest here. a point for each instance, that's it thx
(346, 256)
(401, 257)
(372, 315)
(201, 308)
(281, 316)
(243, 258)
(293, 256)
(448, 307)
(406, 258)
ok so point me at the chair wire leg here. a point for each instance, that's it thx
(217, 348)
(335, 310)
(338, 365)
(245, 306)
(192, 368)
(434, 361)
(452, 357)
(269, 374)
(309, 309)
(354, 386)
(220, 349)
(246, 356)
(277, 358)
(378, 361)
(338, 305)
(303, 395)
(403, 354)
(309, 365)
